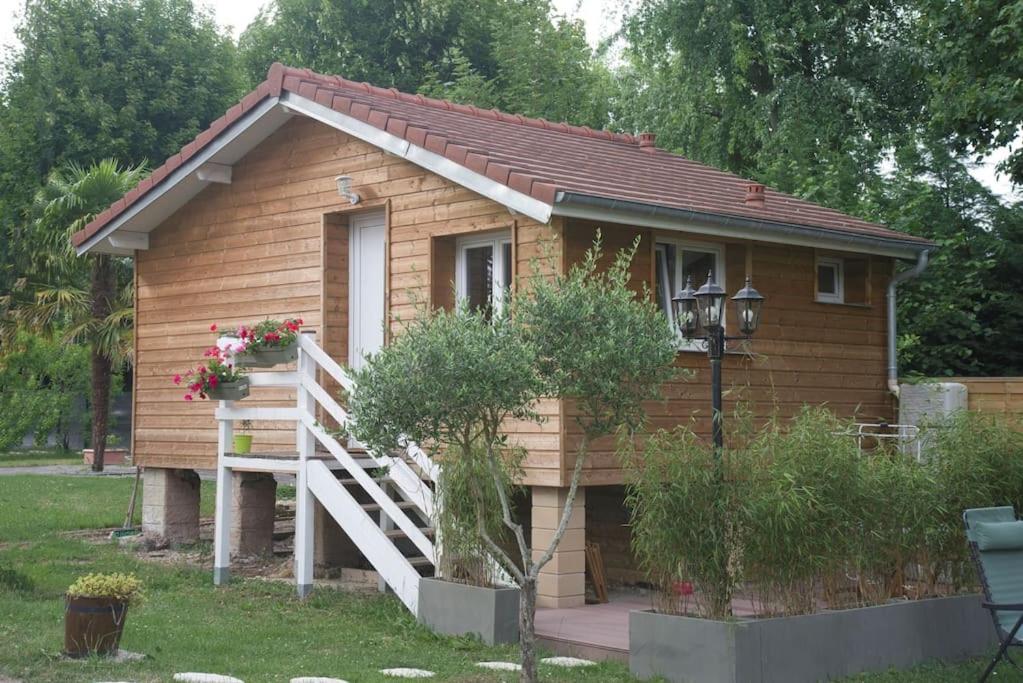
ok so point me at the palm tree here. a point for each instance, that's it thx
(81, 299)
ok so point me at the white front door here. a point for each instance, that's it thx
(366, 258)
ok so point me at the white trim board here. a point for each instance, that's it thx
(183, 183)
(836, 243)
(442, 166)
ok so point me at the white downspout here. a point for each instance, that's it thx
(893, 359)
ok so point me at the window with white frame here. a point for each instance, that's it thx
(483, 271)
(830, 280)
(675, 261)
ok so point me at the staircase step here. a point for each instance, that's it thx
(402, 504)
(419, 562)
(398, 533)
(354, 482)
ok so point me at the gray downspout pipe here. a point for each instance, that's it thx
(900, 277)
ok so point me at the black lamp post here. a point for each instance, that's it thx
(700, 315)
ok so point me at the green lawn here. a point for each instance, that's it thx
(255, 630)
(21, 458)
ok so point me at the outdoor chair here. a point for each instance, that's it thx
(995, 538)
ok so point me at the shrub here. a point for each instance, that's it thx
(124, 587)
(684, 521)
(976, 461)
(796, 512)
(799, 508)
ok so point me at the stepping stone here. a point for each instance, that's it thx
(194, 677)
(316, 679)
(569, 662)
(500, 666)
(402, 672)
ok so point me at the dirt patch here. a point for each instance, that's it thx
(276, 567)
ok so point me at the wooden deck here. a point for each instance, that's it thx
(601, 632)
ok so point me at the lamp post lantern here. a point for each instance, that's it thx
(700, 315)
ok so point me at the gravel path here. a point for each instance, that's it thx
(70, 470)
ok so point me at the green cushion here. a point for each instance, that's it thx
(999, 535)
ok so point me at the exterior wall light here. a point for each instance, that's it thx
(344, 188)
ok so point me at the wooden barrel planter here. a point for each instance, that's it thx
(230, 391)
(267, 358)
(93, 626)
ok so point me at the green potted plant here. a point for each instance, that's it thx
(219, 379)
(95, 607)
(243, 442)
(269, 343)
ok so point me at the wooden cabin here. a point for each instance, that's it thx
(443, 201)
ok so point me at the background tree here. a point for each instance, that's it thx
(83, 300)
(543, 68)
(975, 83)
(516, 55)
(42, 386)
(128, 79)
(388, 43)
(801, 96)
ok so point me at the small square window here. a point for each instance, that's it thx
(830, 283)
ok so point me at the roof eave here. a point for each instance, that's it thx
(186, 181)
(578, 205)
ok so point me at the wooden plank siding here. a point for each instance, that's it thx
(993, 395)
(273, 243)
(804, 353)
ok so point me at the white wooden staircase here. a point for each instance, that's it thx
(387, 516)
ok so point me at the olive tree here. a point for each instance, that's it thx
(451, 380)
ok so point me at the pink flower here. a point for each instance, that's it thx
(213, 327)
(177, 379)
(202, 369)
(213, 380)
(188, 397)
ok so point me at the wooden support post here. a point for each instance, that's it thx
(304, 504)
(222, 518)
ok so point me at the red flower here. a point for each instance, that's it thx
(213, 381)
(299, 321)
(213, 327)
(177, 379)
(195, 387)
(188, 397)
(202, 369)
(684, 588)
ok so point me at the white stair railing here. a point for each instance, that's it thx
(316, 481)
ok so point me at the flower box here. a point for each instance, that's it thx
(458, 609)
(267, 357)
(229, 391)
(111, 456)
(812, 647)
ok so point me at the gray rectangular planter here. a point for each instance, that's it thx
(808, 648)
(457, 609)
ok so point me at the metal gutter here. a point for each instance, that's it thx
(897, 279)
(588, 206)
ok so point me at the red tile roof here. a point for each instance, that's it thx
(535, 157)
